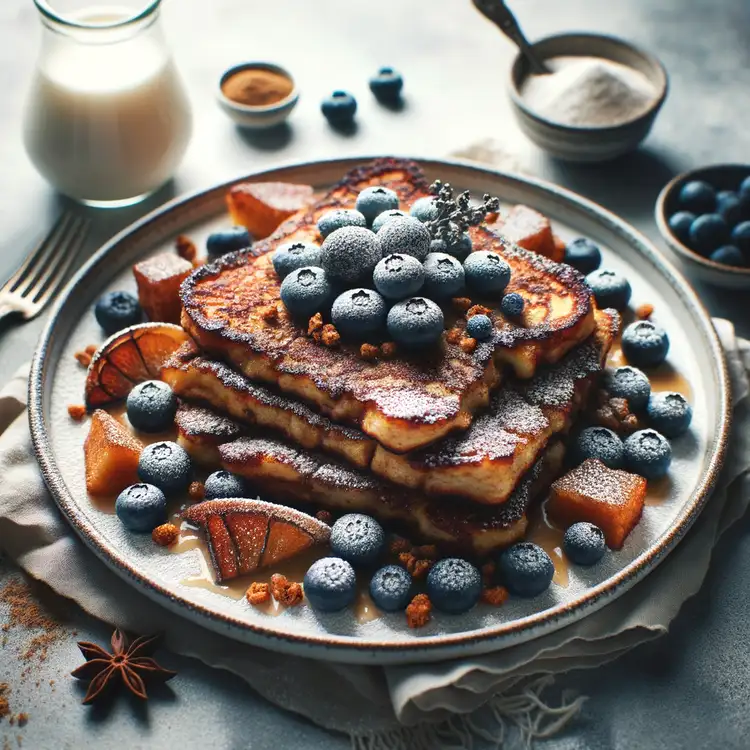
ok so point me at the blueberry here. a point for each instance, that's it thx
(350, 254)
(141, 507)
(330, 584)
(357, 313)
(526, 569)
(741, 237)
(601, 443)
(390, 588)
(339, 108)
(438, 246)
(330, 221)
(228, 241)
(357, 538)
(424, 209)
(385, 217)
(443, 276)
(167, 465)
(306, 291)
(407, 236)
(486, 273)
(462, 248)
(387, 85)
(744, 190)
(512, 305)
(728, 255)
(416, 321)
(669, 413)
(610, 288)
(629, 383)
(454, 585)
(372, 201)
(584, 543)
(293, 255)
(584, 255)
(645, 344)
(224, 484)
(151, 406)
(479, 327)
(117, 310)
(647, 453)
(398, 276)
(708, 232)
(680, 224)
(697, 196)
(730, 206)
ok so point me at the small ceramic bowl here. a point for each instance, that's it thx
(722, 177)
(260, 117)
(588, 144)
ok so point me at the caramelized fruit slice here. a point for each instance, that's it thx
(530, 230)
(111, 456)
(159, 280)
(261, 534)
(609, 498)
(129, 357)
(262, 206)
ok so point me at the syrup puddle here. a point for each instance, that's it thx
(542, 532)
(658, 491)
(662, 378)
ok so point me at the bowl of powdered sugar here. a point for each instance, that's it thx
(598, 102)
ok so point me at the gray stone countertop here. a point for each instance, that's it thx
(690, 689)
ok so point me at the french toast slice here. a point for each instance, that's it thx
(291, 475)
(412, 400)
(482, 464)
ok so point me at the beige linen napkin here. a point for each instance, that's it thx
(410, 707)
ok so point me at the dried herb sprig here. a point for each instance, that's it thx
(456, 214)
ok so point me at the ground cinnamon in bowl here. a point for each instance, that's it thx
(257, 87)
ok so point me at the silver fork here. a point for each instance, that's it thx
(42, 274)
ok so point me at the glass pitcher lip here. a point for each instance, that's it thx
(50, 14)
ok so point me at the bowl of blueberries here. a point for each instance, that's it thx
(704, 216)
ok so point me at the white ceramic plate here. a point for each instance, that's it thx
(57, 381)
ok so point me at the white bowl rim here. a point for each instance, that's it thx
(680, 248)
(654, 107)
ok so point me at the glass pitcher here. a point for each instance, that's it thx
(107, 119)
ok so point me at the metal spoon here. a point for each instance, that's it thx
(500, 14)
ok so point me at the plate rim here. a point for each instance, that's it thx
(353, 648)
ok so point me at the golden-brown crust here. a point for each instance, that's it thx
(482, 464)
(406, 402)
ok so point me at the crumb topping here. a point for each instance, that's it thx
(314, 324)
(494, 595)
(258, 593)
(478, 310)
(468, 344)
(644, 311)
(186, 248)
(454, 335)
(197, 491)
(76, 412)
(461, 304)
(165, 535)
(419, 611)
(325, 516)
(368, 352)
(388, 349)
(83, 357)
(285, 591)
(331, 336)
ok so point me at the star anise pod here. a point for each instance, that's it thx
(129, 664)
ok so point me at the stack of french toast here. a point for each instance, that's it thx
(449, 446)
